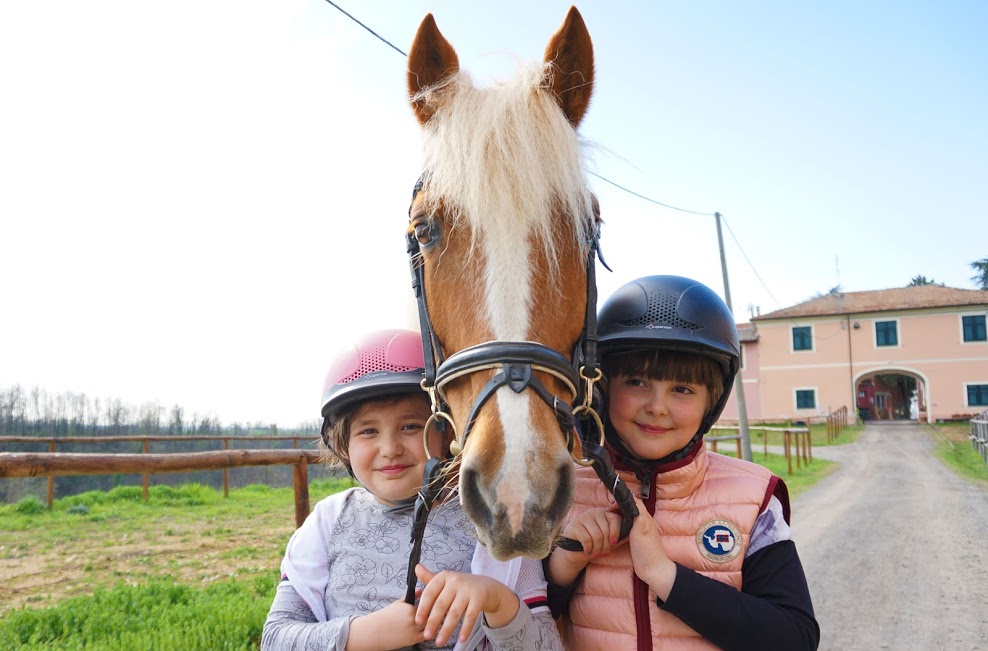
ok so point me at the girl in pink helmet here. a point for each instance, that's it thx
(344, 570)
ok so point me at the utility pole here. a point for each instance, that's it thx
(738, 383)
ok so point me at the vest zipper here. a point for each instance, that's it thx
(643, 605)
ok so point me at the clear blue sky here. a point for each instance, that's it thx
(200, 201)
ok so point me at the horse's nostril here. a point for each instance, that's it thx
(564, 494)
(473, 499)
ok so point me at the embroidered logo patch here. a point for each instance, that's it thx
(719, 541)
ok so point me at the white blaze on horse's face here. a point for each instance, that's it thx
(503, 220)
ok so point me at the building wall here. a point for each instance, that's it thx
(752, 386)
(930, 347)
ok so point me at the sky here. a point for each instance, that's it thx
(201, 201)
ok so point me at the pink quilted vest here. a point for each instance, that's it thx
(705, 510)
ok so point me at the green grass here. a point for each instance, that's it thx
(954, 449)
(160, 615)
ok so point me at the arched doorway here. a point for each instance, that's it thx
(891, 394)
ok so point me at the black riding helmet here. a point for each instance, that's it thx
(672, 313)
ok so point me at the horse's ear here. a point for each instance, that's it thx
(570, 51)
(431, 60)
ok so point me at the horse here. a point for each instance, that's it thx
(502, 230)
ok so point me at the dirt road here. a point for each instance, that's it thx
(895, 547)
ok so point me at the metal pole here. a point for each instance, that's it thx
(738, 383)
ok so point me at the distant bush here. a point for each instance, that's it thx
(78, 509)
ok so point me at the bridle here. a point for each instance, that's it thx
(515, 363)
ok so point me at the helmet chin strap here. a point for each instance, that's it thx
(645, 465)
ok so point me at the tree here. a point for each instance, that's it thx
(921, 280)
(981, 277)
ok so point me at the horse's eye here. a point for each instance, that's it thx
(426, 232)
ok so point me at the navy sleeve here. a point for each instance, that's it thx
(558, 595)
(772, 611)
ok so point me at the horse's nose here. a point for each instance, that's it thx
(559, 504)
(473, 501)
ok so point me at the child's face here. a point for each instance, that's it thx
(385, 447)
(655, 418)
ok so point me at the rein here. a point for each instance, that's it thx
(515, 362)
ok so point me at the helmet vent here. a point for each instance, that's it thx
(662, 310)
(373, 361)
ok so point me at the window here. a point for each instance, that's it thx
(805, 398)
(977, 395)
(802, 338)
(974, 328)
(744, 358)
(885, 333)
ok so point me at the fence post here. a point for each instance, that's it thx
(300, 481)
(144, 477)
(51, 478)
(226, 472)
(787, 448)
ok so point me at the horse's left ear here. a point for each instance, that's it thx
(431, 60)
(570, 51)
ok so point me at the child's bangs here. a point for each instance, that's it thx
(666, 365)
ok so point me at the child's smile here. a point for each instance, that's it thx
(655, 418)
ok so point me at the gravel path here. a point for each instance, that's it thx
(895, 547)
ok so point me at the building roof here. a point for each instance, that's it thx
(747, 332)
(882, 300)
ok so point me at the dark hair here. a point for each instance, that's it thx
(674, 365)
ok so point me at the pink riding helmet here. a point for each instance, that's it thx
(379, 364)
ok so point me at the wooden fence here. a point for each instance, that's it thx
(796, 442)
(979, 435)
(54, 464)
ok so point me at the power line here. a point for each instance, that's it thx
(658, 203)
(389, 43)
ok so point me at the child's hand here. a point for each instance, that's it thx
(597, 530)
(392, 627)
(648, 556)
(450, 597)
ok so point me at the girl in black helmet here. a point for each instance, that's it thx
(343, 582)
(714, 565)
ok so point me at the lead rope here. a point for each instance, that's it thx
(431, 487)
(593, 447)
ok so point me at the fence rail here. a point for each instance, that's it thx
(54, 464)
(146, 440)
(797, 442)
(979, 435)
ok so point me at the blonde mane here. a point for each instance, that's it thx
(503, 159)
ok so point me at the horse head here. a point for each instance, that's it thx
(501, 226)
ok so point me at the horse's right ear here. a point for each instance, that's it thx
(431, 60)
